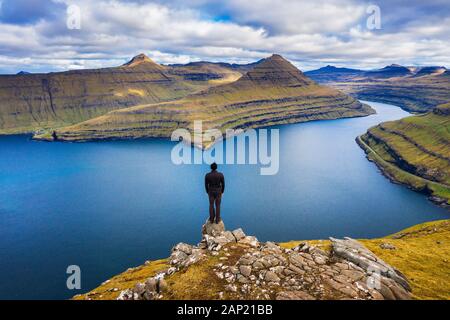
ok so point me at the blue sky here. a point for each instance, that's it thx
(34, 35)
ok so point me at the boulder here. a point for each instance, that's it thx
(183, 247)
(245, 270)
(250, 240)
(213, 229)
(238, 234)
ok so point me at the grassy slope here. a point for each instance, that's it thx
(414, 150)
(421, 253)
(45, 101)
(274, 92)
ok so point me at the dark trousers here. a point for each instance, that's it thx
(214, 199)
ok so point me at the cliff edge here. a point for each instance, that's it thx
(233, 265)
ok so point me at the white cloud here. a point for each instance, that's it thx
(309, 33)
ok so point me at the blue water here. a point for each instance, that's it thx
(106, 206)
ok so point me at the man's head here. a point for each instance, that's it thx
(213, 166)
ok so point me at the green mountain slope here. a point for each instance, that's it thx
(30, 102)
(414, 150)
(273, 92)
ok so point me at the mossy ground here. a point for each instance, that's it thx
(422, 254)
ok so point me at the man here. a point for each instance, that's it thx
(215, 186)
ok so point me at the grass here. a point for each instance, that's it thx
(421, 253)
(125, 280)
(274, 92)
(414, 151)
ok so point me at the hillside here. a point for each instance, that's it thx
(31, 102)
(273, 92)
(415, 89)
(414, 151)
(230, 265)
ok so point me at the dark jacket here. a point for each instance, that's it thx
(214, 181)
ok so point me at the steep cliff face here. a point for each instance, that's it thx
(30, 102)
(273, 92)
(417, 145)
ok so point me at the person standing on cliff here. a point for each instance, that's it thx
(215, 186)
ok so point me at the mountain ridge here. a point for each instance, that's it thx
(415, 89)
(273, 92)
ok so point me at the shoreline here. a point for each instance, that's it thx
(388, 170)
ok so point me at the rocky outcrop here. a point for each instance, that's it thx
(250, 269)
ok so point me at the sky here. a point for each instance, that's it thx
(56, 35)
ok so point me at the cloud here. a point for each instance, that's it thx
(28, 11)
(173, 31)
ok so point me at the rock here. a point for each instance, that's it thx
(245, 261)
(229, 235)
(271, 277)
(245, 270)
(294, 295)
(320, 260)
(183, 247)
(353, 251)
(177, 257)
(250, 240)
(231, 288)
(258, 265)
(126, 295)
(238, 234)
(150, 285)
(234, 270)
(241, 279)
(354, 275)
(297, 260)
(387, 246)
(386, 292)
(295, 269)
(270, 246)
(213, 229)
(161, 285)
(139, 288)
(400, 293)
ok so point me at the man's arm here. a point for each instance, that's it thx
(206, 184)
(222, 181)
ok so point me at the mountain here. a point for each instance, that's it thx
(415, 89)
(426, 71)
(30, 102)
(332, 74)
(230, 265)
(392, 71)
(273, 92)
(414, 151)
